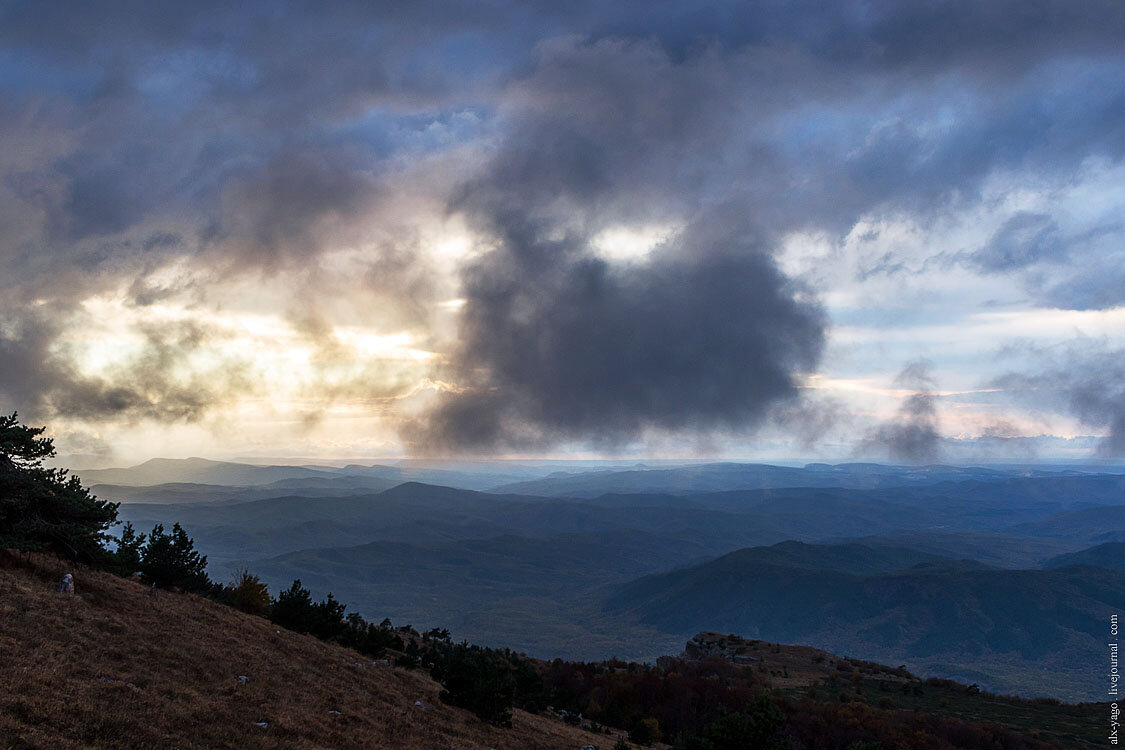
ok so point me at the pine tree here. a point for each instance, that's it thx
(46, 510)
(127, 557)
(294, 608)
(171, 561)
(477, 679)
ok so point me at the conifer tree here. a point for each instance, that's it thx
(127, 557)
(171, 561)
(46, 510)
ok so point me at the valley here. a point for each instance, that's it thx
(968, 573)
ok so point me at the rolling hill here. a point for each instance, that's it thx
(1026, 631)
(1109, 555)
(996, 549)
(1085, 525)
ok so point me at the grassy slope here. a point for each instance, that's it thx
(113, 667)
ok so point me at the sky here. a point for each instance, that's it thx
(877, 230)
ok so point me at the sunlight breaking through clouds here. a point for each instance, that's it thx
(545, 212)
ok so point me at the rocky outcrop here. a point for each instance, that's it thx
(715, 646)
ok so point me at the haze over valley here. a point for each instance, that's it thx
(983, 574)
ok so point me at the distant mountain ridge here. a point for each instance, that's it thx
(717, 477)
(199, 470)
(191, 492)
(234, 474)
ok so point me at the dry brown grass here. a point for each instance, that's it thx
(112, 667)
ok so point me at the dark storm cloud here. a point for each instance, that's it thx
(234, 126)
(556, 343)
(914, 435)
(1085, 379)
(708, 335)
(159, 131)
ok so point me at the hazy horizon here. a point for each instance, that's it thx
(77, 463)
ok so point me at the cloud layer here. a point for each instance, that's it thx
(441, 176)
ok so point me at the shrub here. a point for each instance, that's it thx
(247, 593)
(410, 658)
(645, 731)
(437, 634)
(476, 679)
(531, 692)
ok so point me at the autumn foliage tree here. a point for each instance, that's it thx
(247, 593)
(43, 509)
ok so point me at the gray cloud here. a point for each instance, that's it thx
(556, 343)
(1096, 283)
(1077, 271)
(707, 335)
(1024, 239)
(168, 108)
(41, 380)
(288, 211)
(1086, 379)
(913, 436)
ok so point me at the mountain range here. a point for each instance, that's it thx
(587, 577)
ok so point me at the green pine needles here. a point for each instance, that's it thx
(47, 510)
